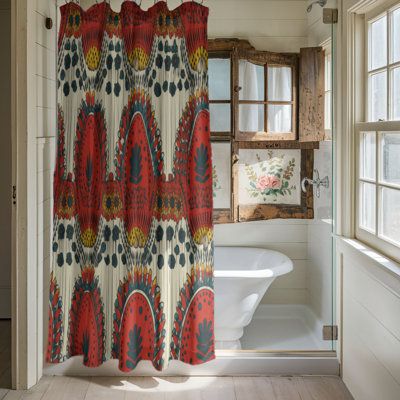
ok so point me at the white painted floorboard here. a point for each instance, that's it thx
(168, 388)
(177, 388)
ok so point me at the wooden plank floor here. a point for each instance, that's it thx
(173, 388)
(182, 388)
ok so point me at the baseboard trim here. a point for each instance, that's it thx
(243, 365)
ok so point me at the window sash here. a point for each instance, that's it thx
(389, 65)
(375, 237)
(266, 102)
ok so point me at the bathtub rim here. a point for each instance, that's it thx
(268, 272)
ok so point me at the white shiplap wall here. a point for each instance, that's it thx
(5, 160)
(45, 47)
(371, 323)
(317, 31)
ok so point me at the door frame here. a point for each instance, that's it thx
(24, 303)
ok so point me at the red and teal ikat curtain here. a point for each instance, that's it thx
(132, 271)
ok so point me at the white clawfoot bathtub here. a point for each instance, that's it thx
(242, 275)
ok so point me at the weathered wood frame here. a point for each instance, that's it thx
(267, 59)
(236, 49)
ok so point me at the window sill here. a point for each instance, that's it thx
(376, 263)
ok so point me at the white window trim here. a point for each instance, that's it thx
(375, 240)
(327, 46)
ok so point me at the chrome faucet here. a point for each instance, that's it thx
(317, 182)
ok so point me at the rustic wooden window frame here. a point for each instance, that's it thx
(236, 49)
(268, 59)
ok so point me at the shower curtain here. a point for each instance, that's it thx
(132, 271)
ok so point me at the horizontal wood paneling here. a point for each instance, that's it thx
(46, 92)
(279, 44)
(45, 76)
(318, 32)
(379, 340)
(285, 296)
(46, 62)
(295, 279)
(252, 233)
(45, 37)
(287, 236)
(375, 297)
(371, 324)
(46, 122)
(225, 27)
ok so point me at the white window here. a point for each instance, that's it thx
(378, 170)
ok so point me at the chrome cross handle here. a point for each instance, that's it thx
(317, 182)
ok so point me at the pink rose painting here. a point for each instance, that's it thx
(268, 182)
(270, 179)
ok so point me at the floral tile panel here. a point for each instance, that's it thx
(269, 176)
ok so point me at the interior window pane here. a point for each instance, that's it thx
(219, 78)
(251, 80)
(396, 94)
(390, 214)
(279, 84)
(328, 110)
(377, 97)
(328, 66)
(368, 155)
(367, 206)
(251, 117)
(279, 118)
(396, 35)
(220, 117)
(390, 168)
(378, 43)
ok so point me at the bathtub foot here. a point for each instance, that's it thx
(228, 345)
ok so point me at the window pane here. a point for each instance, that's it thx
(377, 97)
(251, 80)
(251, 117)
(396, 35)
(219, 77)
(279, 84)
(220, 117)
(279, 118)
(390, 169)
(396, 94)
(368, 155)
(390, 223)
(377, 45)
(367, 206)
(328, 77)
(328, 110)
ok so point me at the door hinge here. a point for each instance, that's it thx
(330, 332)
(330, 16)
(14, 194)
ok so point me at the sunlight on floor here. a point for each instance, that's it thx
(170, 384)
